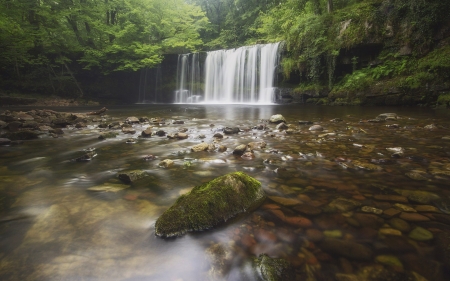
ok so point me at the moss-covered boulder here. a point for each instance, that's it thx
(210, 204)
(270, 269)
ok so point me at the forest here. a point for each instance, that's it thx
(335, 51)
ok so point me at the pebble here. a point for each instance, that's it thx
(415, 217)
(420, 234)
(285, 201)
(347, 249)
(389, 231)
(316, 128)
(399, 224)
(333, 233)
(391, 198)
(308, 210)
(426, 208)
(368, 209)
(314, 235)
(389, 260)
(404, 208)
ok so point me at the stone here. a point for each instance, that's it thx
(248, 155)
(166, 163)
(414, 217)
(389, 231)
(368, 220)
(240, 149)
(210, 204)
(347, 249)
(426, 209)
(316, 128)
(108, 187)
(256, 145)
(131, 175)
(385, 116)
(404, 208)
(419, 196)
(418, 176)
(389, 260)
(391, 212)
(147, 132)
(344, 205)
(368, 209)
(222, 148)
(200, 147)
(218, 136)
(443, 248)
(132, 120)
(277, 118)
(420, 234)
(231, 131)
(14, 126)
(272, 269)
(336, 233)
(304, 122)
(391, 198)
(285, 201)
(128, 130)
(399, 224)
(181, 136)
(178, 122)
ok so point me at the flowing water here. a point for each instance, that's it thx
(53, 228)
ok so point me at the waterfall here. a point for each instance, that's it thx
(188, 78)
(243, 75)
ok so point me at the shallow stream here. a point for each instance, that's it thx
(351, 181)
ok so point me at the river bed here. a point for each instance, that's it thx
(361, 197)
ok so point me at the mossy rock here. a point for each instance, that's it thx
(271, 269)
(131, 176)
(210, 204)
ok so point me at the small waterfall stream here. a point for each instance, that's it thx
(242, 75)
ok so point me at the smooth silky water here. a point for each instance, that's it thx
(52, 228)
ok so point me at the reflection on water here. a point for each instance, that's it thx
(53, 228)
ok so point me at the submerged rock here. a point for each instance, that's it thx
(271, 269)
(210, 204)
(21, 135)
(348, 249)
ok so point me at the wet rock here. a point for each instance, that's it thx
(389, 231)
(282, 126)
(147, 133)
(336, 120)
(4, 141)
(404, 208)
(166, 163)
(272, 269)
(86, 157)
(285, 201)
(248, 155)
(344, 205)
(57, 131)
(200, 147)
(420, 234)
(277, 118)
(369, 209)
(316, 128)
(419, 196)
(128, 130)
(231, 131)
(417, 175)
(3, 124)
(107, 135)
(181, 136)
(414, 217)
(430, 127)
(366, 166)
(347, 249)
(131, 140)
(210, 204)
(256, 145)
(240, 149)
(218, 135)
(131, 176)
(160, 133)
(149, 157)
(222, 148)
(132, 120)
(302, 122)
(178, 122)
(426, 209)
(369, 220)
(399, 224)
(389, 260)
(390, 198)
(398, 150)
(336, 233)
(219, 256)
(14, 126)
(60, 122)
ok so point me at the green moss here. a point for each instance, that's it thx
(210, 204)
(270, 269)
(444, 99)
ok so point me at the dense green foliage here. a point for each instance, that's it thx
(41, 39)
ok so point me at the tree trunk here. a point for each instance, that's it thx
(330, 6)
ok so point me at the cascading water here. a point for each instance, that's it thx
(188, 79)
(243, 75)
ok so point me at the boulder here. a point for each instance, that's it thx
(147, 133)
(210, 204)
(277, 118)
(132, 120)
(131, 176)
(240, 149)
(200, 147)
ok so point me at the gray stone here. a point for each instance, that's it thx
(277, 118)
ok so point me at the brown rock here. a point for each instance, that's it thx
(308, 210)
(391, 198)
(391, 212)
(369, 220)
(413, 217)
(285, 201)
(314, 235)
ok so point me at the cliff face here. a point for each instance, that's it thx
(377, 53)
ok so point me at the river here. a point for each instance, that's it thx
(348, 180)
